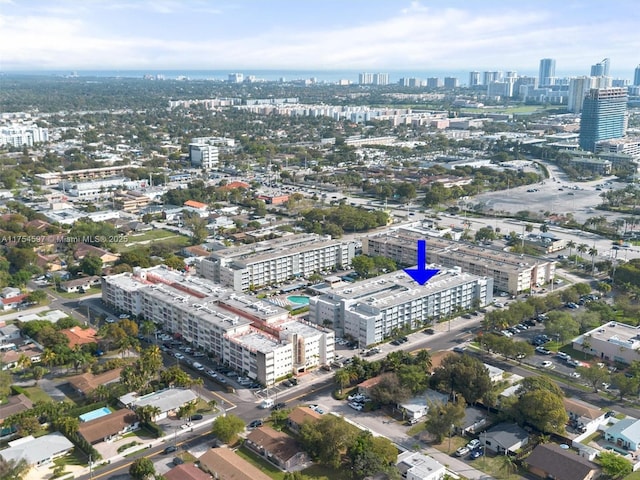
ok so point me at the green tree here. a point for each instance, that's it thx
(327, 439)
(594, 375)
(91, 265)
(561, 325)
(27, 425)
(465, 375)
(370, 455)
(442, 418)
(342, 378)
(363, 265)
(389, 390)
(142, 469)
(614, 466)
(175, 262)
(38, 372)
(226, 428)
(626, 385)
(37, 296)
(187, 410)
(543, 410)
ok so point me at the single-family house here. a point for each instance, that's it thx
(168, 400)
(365, 387)
(109, 427)
(583, 416)
(299, 416)
(79, 336)
(187, 471)
(475, 420)
(14, 404)
(37, 451)
(417, 407)
(10, 292)
(9, 333)
(196, 205)
(84, 249)
(80, 284)
(86, 383)
(504, 438)
(225, 464)
(11, 358)
(418, 466)
(495, 374)
(277, 447)
(624, 434)
(550, 461)
(195, 251)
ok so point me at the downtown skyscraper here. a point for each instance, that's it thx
(604, 116)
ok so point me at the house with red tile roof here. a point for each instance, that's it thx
(80, 336)
(196, 205)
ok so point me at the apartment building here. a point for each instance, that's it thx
(274, 261)
(513, 273)
(53, 178)
(371, 310)
(250, 335)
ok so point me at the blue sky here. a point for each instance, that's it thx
(374, 35)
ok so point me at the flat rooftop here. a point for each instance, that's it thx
(617, 333)
(259, 341)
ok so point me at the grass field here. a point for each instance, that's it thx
(154, 236)
(73, 295)
(261, 464)
(37, 394)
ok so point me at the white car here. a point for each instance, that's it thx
(473, 444)
(462, 451)
(179, 356)
(355, 406)
(574, 375)
(547, 364)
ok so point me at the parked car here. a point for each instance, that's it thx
(177, 461)
(355, 406)
(547, 364)
(543, 351)
(197, 416)
(279, 406)
(179, 356)
(477, 453)
(170, 449)
(462, 451)
(473, 444)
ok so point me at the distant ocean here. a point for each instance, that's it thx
(321, 76)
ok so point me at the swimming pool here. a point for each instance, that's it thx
(299, 299)
(93, 414)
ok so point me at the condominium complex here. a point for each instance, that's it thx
(250, 335)
(373, 309)
(373, 79)
(275, 261)
(20, 135)
(604, 116)
(513, 273)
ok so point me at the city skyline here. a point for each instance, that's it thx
(314, 35)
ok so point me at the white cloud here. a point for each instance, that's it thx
(416, 38)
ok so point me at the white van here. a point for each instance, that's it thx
(266, 403)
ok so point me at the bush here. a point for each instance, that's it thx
(17, 390)
(153, 428)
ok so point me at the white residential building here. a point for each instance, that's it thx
(418, 466)
(370, 310)
(20, 135)
(511, 272)
(252, 336)
(275, 261)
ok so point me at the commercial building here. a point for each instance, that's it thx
(250, 335)
(613, 342)
(275, 261)
(636, 76)
(547, 72)
(513, 273)
(371, 310)
(604, 116)
(203, 156)
(53, 178)
(601, 69)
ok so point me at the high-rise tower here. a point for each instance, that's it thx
(601, 69)
(636, 76)
(604, 116)
(547, 71)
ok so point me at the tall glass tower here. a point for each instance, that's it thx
(636, 76)
(547, 71)
(604, 116)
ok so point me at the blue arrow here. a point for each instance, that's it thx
(421, 273)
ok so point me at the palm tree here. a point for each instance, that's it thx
(147, 413)
(507, 463)
(593, 252)
(48, 357)
(423, 358)
(342, 378)
(187, 410)
(582, 248)
(571, 245)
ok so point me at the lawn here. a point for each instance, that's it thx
(173, 239)
(36, 394)
(260, 463)
(317, 471)
(73, 295)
